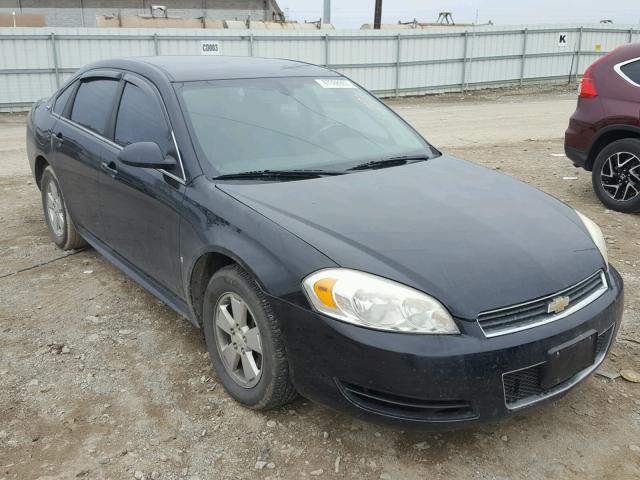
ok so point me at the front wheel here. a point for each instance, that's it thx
(616, 175)
(61, 228)
(244, 341)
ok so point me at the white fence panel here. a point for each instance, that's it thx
(34, 62)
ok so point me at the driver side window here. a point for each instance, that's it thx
(141, 119)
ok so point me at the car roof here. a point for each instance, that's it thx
(187, 68)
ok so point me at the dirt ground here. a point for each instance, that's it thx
(99, 380)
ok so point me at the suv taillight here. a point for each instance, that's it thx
(587, 85)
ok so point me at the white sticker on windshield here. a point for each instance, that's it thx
(334, 83)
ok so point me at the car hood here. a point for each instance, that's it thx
(471, 237)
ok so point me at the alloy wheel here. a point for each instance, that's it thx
(55, 209)
(620, 176)
(238, 340)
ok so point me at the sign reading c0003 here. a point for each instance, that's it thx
(209, 47)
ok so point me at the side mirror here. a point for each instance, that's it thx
(145, 155)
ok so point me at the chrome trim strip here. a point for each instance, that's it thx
(618, 68)
(175, 177)
(572, 308)
(119, 147)
(87, 130)
(171, 175)
(563, 387)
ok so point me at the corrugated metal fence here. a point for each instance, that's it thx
(35, 61)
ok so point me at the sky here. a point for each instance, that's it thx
(353, 13)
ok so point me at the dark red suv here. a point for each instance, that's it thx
(604, 131)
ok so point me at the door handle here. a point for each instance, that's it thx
(110, 168)
(59, 138)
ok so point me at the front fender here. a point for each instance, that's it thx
(215, 222)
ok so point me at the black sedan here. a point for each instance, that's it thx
(322, 244)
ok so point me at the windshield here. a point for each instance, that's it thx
(295, 123)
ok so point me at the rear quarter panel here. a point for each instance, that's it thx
(617, 103)
(620, 99)
(38, 136)
(587, 119)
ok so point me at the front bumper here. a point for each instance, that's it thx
(435, 381)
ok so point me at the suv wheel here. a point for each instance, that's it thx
(616, 175)
(244, 341)
(61, 228)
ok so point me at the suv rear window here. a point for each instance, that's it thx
(93, 103)
(632, 71)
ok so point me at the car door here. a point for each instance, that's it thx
(78, 144)
(140, 206)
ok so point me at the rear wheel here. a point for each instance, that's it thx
(61, 228)
(244, 341)
(616, 175)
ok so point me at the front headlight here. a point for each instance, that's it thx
(596, 235)
(370, 301)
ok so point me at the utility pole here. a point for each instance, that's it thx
(377, 15)
(326, 12)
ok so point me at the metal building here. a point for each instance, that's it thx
(83, 13)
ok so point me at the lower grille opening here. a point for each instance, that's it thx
(524, 386)
(407, 407)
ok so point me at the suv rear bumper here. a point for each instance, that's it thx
(577, 141)
(578, 157)
(582, 130)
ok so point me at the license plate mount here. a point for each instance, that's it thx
(569, 358)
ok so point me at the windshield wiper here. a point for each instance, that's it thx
(299, 174)
(391, 162)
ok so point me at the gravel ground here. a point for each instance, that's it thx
(99, 380)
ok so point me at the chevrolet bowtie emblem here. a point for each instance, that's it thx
(558, 304)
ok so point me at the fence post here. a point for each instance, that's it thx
(464, 60)
(156, 47)
(326, 50)
(251, 44)
(56, 66)
(630, 35)
(397, 64)
(575, 75)
(524, 55)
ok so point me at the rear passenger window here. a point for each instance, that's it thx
(141, 119)
(93, 103)
(632, 71)
(63, 99)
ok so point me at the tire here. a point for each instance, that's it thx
(61, 228)
(618, 164)
(272, 387)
